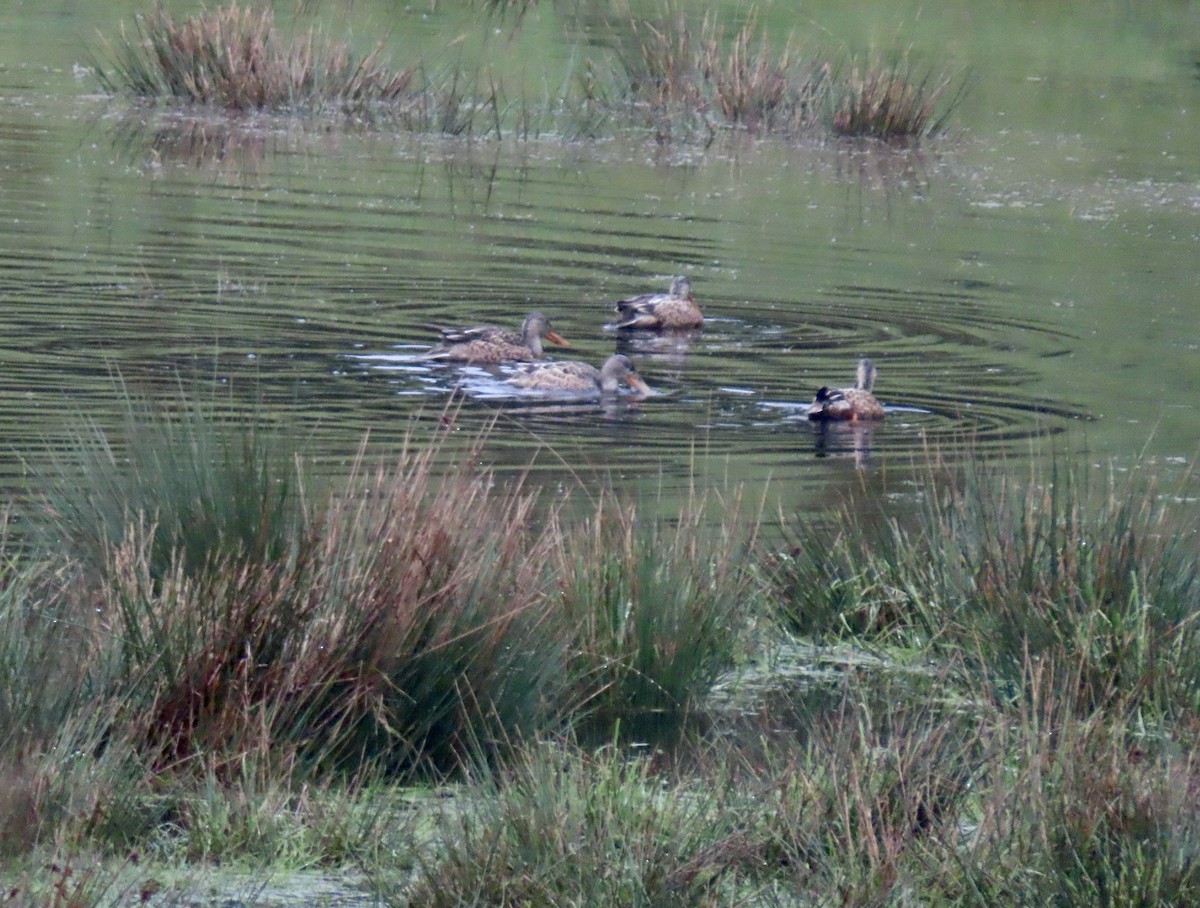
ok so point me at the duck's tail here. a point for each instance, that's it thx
(865, 380)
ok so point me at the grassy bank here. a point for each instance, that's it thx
(448, 692)
(670, 73)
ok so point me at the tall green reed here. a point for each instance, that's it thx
(1065, 565)
(655, 609)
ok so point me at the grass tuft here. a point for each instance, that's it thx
(655, 609)
(563, 826)
(888, 101)
(232, 57)
(683, 80)
(667, 72)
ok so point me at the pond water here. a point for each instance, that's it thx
(1027, 281)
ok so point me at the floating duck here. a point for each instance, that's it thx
(849, 403)
(675, 309)
(489, 344)
(581, 378)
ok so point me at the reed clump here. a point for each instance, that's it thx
(225, 616)
(233, 57)
(389, 628)
(683, 80)
(668, 72)
(888, 101)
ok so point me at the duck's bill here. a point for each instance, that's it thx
(639, 385)
(555, 338)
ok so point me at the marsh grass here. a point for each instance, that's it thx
(196, 490)
(233, 57)
(1095, 809)
(561, 825)
(891, 101)
(1088, 572)
(196, 679)
(434, 588)
(680, 77)
(682, 80)
(226, 616)
(655, 609)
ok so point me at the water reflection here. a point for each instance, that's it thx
(220, 145)
(843, 439)
(298, 273)
(666, 349)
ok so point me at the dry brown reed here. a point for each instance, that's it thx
(886, 101)
(233, 57)
(401, 627)
(678, 77)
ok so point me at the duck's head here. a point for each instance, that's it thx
(681, 287)
(826, 398)
(536, 325)
(619, 367)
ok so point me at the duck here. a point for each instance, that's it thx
(489, 344)
(674, 309)
(849, 403)
(580, 377)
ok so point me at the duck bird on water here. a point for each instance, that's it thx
(849, 403)
(581, 378)
(489, 344)
(675, 309)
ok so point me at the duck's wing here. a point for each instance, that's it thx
(639, 311)
(564, 375)
(460, 335)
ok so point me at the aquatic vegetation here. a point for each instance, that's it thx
(232, 57)
(1014, 712)
(681, 81)
(665, 72)
(888, 101)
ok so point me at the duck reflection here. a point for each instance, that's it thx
(668, 348)
(843, 439)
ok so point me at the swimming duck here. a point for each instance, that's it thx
(581, 378)
(676, 309)
(488, 344)
(849, 403)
